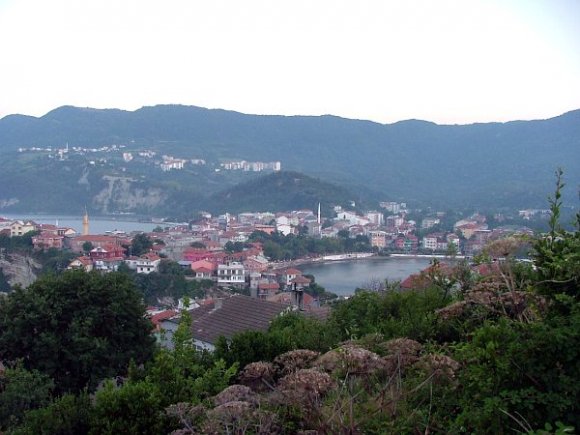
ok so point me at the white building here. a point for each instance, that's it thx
(349, 216)
(375, 217)
(19, 228)
(148, 263)
(430, 222)
(170, 163)
(230, 274)
(430, 242)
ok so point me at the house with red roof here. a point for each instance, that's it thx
(288, 275)
(158, 317)
(267, 289)
(76, 243)
(255, 264)
(287, 299)
(148, 263)
(194, 255)
(203, 269)
(47, 240)
(299, 282)
(229, 316)
(107, 251)
(84, 263)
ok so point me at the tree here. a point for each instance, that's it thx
(87, 247)
(141, 244)
(21, 390)
(77, 327)
(232, 247)
(557, 255)
(452, 250)
(66, 415)
(135, 408)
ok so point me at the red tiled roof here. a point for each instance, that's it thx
(269, 286)
(292, 271)
(90, 238)
(84, 260)
(156, 319)
(300, 280)
(238, 313)
(203, 264)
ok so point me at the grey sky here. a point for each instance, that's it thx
(445, 61)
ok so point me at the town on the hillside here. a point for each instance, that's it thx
(221, 248)
(252, 283)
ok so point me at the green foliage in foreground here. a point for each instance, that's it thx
(496, 354)
(77, 328)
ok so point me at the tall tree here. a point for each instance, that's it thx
(141, 244)
(78, 328)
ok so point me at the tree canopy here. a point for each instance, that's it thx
(77, 328)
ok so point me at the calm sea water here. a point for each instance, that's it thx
(97, 225)
(343, 277)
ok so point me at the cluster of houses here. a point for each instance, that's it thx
(49, 236)
(106, 253)
(243, 165)
(468, 237)
(202, 246)
(206, 259)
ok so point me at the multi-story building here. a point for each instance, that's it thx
(378, 239)
(430, 222)
(394, 221)
(19, 228)
(231, 274)
(375, 217)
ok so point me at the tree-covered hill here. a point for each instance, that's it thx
(286, 190)
(492, 164)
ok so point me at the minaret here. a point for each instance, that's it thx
(319, 221)
(86, 223)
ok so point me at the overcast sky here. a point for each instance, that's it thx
(445, 61)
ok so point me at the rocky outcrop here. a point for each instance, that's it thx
(124, 194)
(19, 269)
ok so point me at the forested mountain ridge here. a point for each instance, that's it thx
(492, 164)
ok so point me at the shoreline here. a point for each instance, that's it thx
(460, 257)
(326, 260)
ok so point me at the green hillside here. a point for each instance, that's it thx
(479, 165)
(280, 191)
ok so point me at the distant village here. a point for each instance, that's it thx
(200, 245)
(165, 163)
